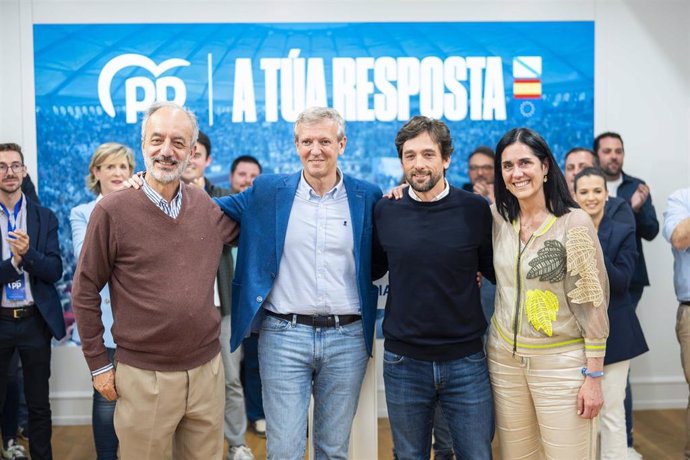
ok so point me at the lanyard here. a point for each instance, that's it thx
(12, 219)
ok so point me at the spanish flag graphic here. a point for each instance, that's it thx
(527, 77)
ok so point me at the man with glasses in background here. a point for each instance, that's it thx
(30, 310)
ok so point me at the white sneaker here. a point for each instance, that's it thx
(240, 453)
(633, 454)
(14, 451)
(260, 427)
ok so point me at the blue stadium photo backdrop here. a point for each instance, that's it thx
(247, 83)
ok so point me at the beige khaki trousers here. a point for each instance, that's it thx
(535, 401)
(683, 334)
(170, 415)
(614, 437)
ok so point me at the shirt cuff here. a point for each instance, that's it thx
(102, 370)
(19, 270)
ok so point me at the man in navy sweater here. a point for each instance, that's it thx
(433, 242)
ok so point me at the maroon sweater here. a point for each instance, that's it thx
(160, 273)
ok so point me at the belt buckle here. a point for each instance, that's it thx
(16, 313)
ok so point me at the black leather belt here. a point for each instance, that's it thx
(316, 320)
(686, 303)
(18, 313)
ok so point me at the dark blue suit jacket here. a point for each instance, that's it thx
(626, 339)
(646, 226)
(263, 212)
(620, 211)
(43, 263)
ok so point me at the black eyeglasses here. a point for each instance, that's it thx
(16, 168)
(485, 168)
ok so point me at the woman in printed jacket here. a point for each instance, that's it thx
(547, 339)
(626, 339)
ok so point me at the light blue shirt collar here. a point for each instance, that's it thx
(306, 191)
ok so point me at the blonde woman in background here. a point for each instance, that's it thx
(111, 165)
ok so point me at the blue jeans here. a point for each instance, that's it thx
(443, 442)
(297, 361)
(461, 387)
(102, 423)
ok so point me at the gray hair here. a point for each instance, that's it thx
(156, 106)
(313, 115)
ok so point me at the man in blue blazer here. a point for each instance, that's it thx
(304, 279)
(30, 310)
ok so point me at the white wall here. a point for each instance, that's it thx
(642, 72)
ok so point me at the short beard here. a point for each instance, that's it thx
(609, 172)
(164, 178)
(426, 186)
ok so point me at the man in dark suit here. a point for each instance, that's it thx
(30, 310)
(243, 171)
(480, 169)
(304, 277)
(235, 424)
(611, 154)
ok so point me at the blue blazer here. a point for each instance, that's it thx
(626, 339)
(620, 211)
(43, 263)
(646, 226)
(263, 212)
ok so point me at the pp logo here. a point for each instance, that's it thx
(14, 285)
(151, 89)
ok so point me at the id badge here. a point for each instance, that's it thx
(16, 290)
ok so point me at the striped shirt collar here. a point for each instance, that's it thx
(172, 209)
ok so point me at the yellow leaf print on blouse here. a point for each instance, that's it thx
(541, 307)
(581, 262)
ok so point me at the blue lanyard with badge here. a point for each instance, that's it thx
(16, 290)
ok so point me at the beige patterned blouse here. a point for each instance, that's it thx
(551, 293)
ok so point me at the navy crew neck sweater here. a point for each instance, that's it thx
(433, 251)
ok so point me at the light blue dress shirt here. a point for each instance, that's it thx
(20, 224)
(317, 271)
(678, 209)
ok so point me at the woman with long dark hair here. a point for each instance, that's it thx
(548, 334)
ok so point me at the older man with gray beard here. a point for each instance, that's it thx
(147, 244)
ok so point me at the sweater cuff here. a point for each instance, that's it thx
(98, 363)
(102, 370)
(595, 348)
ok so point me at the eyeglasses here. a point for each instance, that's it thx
(485, 168)
(16, 168)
